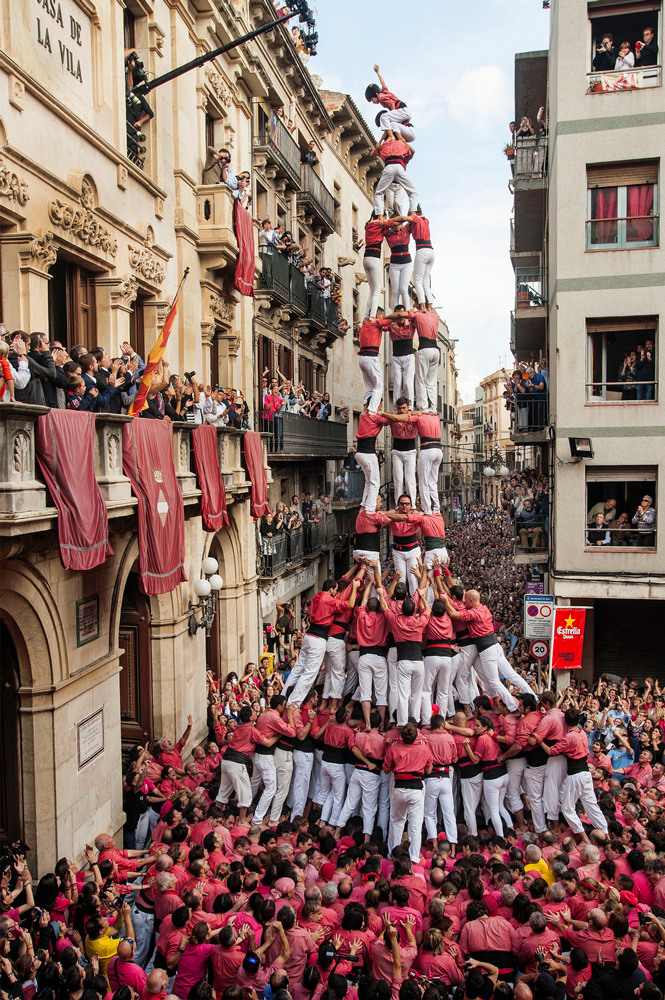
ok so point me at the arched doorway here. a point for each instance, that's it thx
(135, 661)
(11, 811)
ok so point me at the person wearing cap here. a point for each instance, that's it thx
(644, 520)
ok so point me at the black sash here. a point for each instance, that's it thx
(367, 446)
(405, 542)
(434, 542)
(404, 444)
(485, 641)
(368, 540)
(409, 650)
(334, 755)
(576, 765)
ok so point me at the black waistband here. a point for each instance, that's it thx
(409, 650)
(442, 771)
(236, 757)
(337, 634)
(368, 540)
(366, 446)
(395, 159)
(374, 760)
(536, 757)
(287, 743)
(334, 755)
(463, 639)
(404, 444)
(434, 542)
(400, 257)
(372, 252)
(375, 650)
(577, 765)
(440, 648)
(485, 641)
(368, 352)
(421, 244)
(318, 630)
(405, 542)
(430, 442)
(143, 909)
(402, 347)
(426, 343)
(264, 751)
(467, 768)
(492, 770)
(399, 248)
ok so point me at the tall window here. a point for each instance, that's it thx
(72, 305)
(285, 361)
(305, 373)
(267, 357)
(337, 194)
(210, 131)
(137, 327)
(621, 359)
(129, 27)
(622, 205)
(625, 496)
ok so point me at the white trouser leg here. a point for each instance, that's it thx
(404, 473)
(312, 651)
(234, 778)
(372, 667)
(264, 770)
(489, 662)
(494, 792)
(369, 463)
(351, 681)
(398, 120)
(394, 199)
(441, 670)
(429, 461)
(283, 771)
(422, 271)
(371, 370)
(439, 791)
(143, 924)
(580, 786)
(462, 680)
(516, 767)
(333, 777)
(472, 791)
(448, 709)
(373, 268)
(426, 371)
(315, 780)
(404, 373)
(302, 772)
(353, 798)
(430, 668)
(370, 783)
(409, 690)
(392, 680)
(368, 554)
(392, 172)
(407, 804)
(511, 675)
(404, 563)
(400, 276)
(555, 775)
(384, 803)
(335, 661)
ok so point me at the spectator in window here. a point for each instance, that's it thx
(625, 58)
(267, 237)
(341, 485)
(526, 129)
(350, 462)
(606, 55)
(529, 526)
(325, 409)
(607, 508)
(600, 534)
(645, 521)
(309, 155)
(217, 168)
(646, 371)
(628, 375)
(621, 534)
(647, 50)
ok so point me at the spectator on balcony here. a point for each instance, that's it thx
(626, 58)
(105, 387)
(606, 55)
(268, 239)
(309, 155)
(645, 521)
(529, 525)
(526, 129)
(350, 462)
(325, 408)
(242, 192)
(621, 533)
(646, 371)
(342, 485)
(647, 50)
(78, 395)
(600, 534)
(18, 366)
(628, 375)
(607, 508)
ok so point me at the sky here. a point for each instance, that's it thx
(452, 63)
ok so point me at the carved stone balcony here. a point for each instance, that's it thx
(217, 246)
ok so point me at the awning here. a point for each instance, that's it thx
(208, 473)
(257, 474)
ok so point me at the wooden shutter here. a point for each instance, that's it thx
(621, 474)
(618, 174)
(624, 324)
(609, 9)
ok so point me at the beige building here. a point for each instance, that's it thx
(496, 432)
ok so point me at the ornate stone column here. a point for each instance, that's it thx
(26, 260)
(114, 307)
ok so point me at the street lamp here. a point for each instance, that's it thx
(495, 465)
(206, 590)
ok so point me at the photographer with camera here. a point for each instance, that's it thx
(606, 55)
(217, 169)
(138, 109)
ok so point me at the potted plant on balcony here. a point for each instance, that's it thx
(509, 150)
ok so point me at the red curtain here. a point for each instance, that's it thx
(244, 276)
(64, 445)
(147, 458)
(605, 208)
(213, 494)
(640, 202)
(257, 474)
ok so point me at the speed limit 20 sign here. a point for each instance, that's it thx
(539, 649)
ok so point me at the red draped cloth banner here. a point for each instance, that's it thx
(244, 276)
(147, 458)
(209, 475)
(257, 474)
(65, 443)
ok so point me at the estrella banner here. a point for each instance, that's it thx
(567, 638)
(140, 401)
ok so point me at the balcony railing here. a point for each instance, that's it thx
(626, 536)
(531, 532)
(273, 138)
(296, 435)
(531, 158)
(315, 535)
(331, 528)
(288, 283)
(531, 415)
(530, 287)
(613, 81)
(627, 232)
(316, 196)
(273, 554)
(352, 488)
(614, 392)
(447, 413)
(295, 545)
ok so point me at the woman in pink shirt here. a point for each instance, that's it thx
(169, 782)
(435, 962)
(195, 956)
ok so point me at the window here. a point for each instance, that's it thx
(210, 131)
(621, 360)
(137, 327)
(214, 358)
(267, 356)
(622, 205)
(129, 26)
(625, 496)
(261, 201)
(305, 373)
(624, 22)
(285, 362)
(72, 306)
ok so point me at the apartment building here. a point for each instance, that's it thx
(498, 444)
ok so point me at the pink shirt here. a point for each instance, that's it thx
(382, 959)
(121, 973)
(192, 967)
(302, 946)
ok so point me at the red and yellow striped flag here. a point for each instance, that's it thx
(140, 401)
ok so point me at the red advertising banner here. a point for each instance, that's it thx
(567, 638)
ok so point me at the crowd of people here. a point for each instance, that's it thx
(607, 525)
(526, 394)
(626, 56)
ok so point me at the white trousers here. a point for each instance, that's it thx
(427, 368)
(363, 791)
(392, 680)
(396, 121)
(352, 672)
(555, 775)
(488, 671)
(463, 678)
(371, 370)
(234, 778)
(335, 661)
(400, 276)
(307, 667)
(404, 473)
(302, 772)
(404, 376)
(437, 676)
(331, 791)
(580, 786)
(509, 674)
(264, 773)
(516, 767)
(439, 792)
(315, 781)
(394, 172)
(394, 199)
(404, 563)
(422, 273)
(283, 772)
(429, 461)
(472, 793)
(143, 924)
(373, 668)
(369, 463)
(383, 818)
(494, 792)
(409, 690)
(407, 805)
(373, 268)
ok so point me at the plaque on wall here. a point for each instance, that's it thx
(90, 737)
(87, 620)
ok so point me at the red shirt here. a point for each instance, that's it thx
(403, 332)
(403, 758)
(442, 746)
(372, 744)
(323, 609)
(574, 745)
(371, 335)
(394, 149)
(404, 431)
(386, 99)
(245, 738)
(419, 227)
(479, 620)
(368, 522)
(527, 725)
(486, 748)
(370, 425)
(374, 234)
(552, 726)
(440, 628)
(338, 735)
(372, 628)
(429, 426)
(407, 628)
(271, 724)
